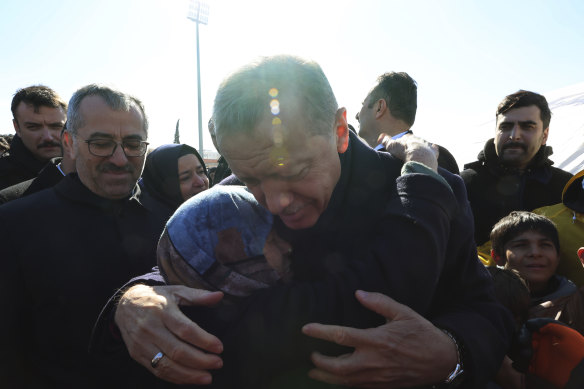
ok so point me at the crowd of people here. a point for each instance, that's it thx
(316, 256)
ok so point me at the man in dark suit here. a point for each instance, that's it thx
(390, 109)
(65, 249)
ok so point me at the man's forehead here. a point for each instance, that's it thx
(94, 108)
(267, 168)
(264, 156)
(530, 112)
(95, 102)
(26, 108)
(110, 135)
(229, 142)
(288, 126)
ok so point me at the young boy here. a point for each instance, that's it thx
(546, 353)
(529, 243)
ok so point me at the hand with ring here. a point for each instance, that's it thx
(161, 338)
(157, 358)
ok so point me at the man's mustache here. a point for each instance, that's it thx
(111, 168)
(48, 143)
(515, 144)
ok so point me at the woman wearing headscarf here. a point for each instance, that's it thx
(173, 173)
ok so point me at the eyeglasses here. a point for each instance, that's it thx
(107, 148)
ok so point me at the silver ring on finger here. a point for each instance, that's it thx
(157, 358)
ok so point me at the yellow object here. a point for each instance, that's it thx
(484, 252)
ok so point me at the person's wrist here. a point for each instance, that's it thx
(456, 374)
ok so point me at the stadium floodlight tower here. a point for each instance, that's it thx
(199, 13)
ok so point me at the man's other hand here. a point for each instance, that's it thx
(406, 351)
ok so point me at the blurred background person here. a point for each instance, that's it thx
(173, 173)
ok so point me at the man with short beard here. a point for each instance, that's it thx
(39, 115)
(513, 171)
(50, 175)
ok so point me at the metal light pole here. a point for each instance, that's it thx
(199, 13)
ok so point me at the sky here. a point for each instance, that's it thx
(465, 55)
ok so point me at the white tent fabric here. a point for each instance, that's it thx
(567, 127)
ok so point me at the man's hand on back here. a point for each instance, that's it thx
(406, 351)
(150, 322)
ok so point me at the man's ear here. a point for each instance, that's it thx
(380, 108)
(545, 136)
(342, 130)
(581, 255)
(500, 261)
(68, 146)
(211, 127)
(214, 139)
(16, 127)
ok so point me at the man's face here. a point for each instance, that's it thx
(519, 136)
(40, 131)
(367, 125)
(534, 256)
(111, 177)
(289, 170)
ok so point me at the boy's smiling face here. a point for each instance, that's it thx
(534, 256)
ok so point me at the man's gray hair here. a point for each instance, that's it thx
(244, 97)
(116, 100)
